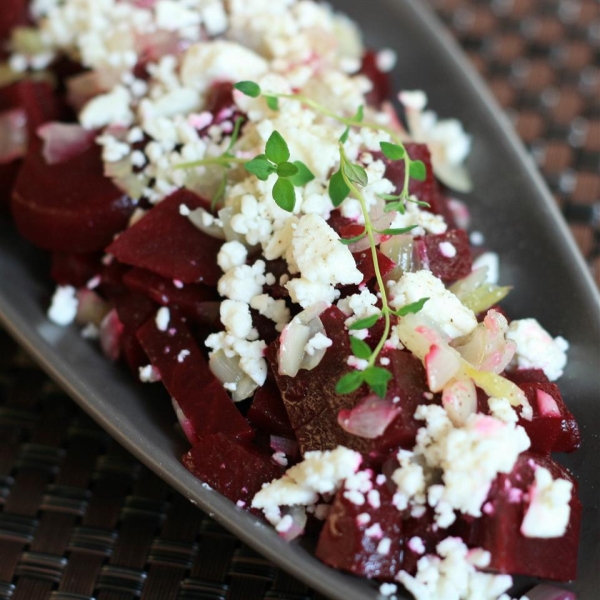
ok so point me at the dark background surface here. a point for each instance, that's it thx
(79, 517)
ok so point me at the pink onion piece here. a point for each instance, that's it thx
(13, 135)
(91, 308)
(186, 424)
(549, 592)
(460, 401)
(111, 330)
(441, 363)
(369, 418)
(285, 445)
(63, 141)
(296, 525)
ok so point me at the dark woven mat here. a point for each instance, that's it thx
(79, 517)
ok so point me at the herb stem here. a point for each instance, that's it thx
(224, 161)
(385, 308)
(310, 103)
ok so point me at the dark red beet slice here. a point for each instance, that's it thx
(233, 468)
(74, 269)
(382, 84)
(267, 412)
(189, 380)
(553, 428)
(70, 206)
(426, 191)
(111, 280)
(499, 531)
(8, 176)
(168, 244)
(196, 301)
(364, 263)
(429, 534)
(447, 268)
(527, 376)
(350, 544)
(13, 13)
(339, 223)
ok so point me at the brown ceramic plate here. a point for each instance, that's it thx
(510, 204)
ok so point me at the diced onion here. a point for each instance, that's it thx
(399, 248)
(91, 308)
(13, 135)
(463, 287)
(550, 592)
(198, 218)
(228, 371)
(63, 141)
(283, 444)
(460, 400)
(298, 523)
(186, 424)
(369, 418)
(442, 363)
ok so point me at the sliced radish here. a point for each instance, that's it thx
(64, 141)
(13, 135)
(369, 418)
(460, 400)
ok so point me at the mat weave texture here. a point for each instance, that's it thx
(80, 518)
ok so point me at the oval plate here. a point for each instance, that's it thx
(510, 204)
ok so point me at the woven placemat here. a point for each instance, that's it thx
(80, 518)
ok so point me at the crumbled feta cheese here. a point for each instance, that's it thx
(448, 249)
(232, 254)
(416, 545)
(318, 342)
(280, 458)
(453, 575)
(243, 282)
(501, 409)
(236, 318)
(63, 308)
(548, 512)
(183, 355)
(148, 374)
(443, 307)
(319, 473)
(163, 316)
(113, 108)
(536, 349)
(388, 589)
(275, 310)
(384, 546)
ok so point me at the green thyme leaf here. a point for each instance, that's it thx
(419, 203)
(286, 169)
(349, 383)
(272, 102)
(389, 197)
(360, 114)
(395, 206)
(411, 309)
(338, 189)
(392, 151)
(260, 166)
(277, 150)
(380, 389)
(418, 170)
(398, 231)
(284, 194)
(234, 136)
(344, 136)
(353, 240)
(249, 88)
(365, 323)
(360, 349)
(303, 176)
(356, 174)
(378, 379)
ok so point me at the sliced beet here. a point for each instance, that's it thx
(447, 255)
(553, 428)
(364, 263)
(267, 412)
(194, 300)
(426, 191)
(111, 280)
(233, 468)
(498, 531)
(520, 376)
(189, 380)
(13, 14)
(429, 535)
(8, 176)
(350, 543)
(339, 223)
(167, 243)
(382, 83)
(73, 269)
(70, 206)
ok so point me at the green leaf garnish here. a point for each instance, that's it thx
(360, 114)
(398, 231)
(356, 174)
(378, 379)
(395, 206)
(272, 102)
(349, 383)
(260, 166)
(392, 151)
(284, 194)
(411, 309)
(219, 194)
(389, 197)
(360, 349)
(418, 170)
(338, 190)
(353, 240)
(419, 203)
(248, 88)
(303, 176)
(277, 150)
(286, 169)
(344, 136)
(365, 323)
(234, 135)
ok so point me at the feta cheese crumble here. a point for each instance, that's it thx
(63, 308)
(163, 316)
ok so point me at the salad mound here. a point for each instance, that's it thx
(237, 210)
